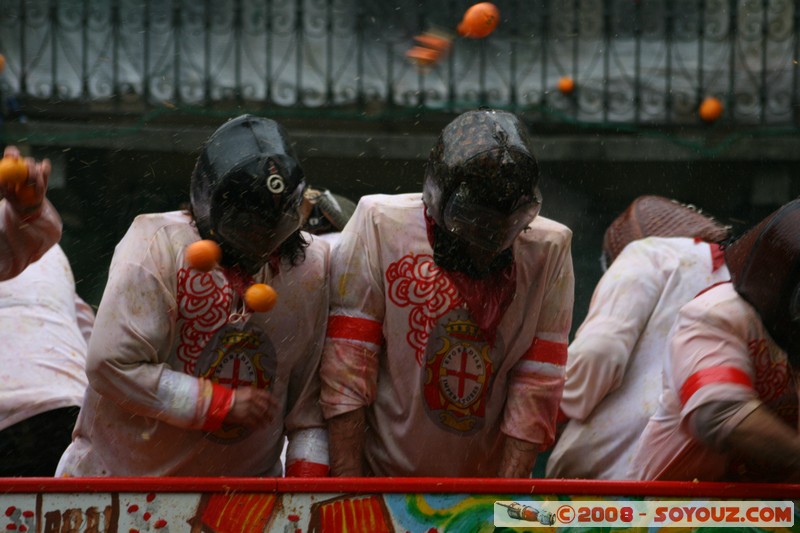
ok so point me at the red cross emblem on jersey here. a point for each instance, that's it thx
(238, 361)
(457, 377)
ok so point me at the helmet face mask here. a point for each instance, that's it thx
(256, 229)
(246, 190)
(480, 189)
(485, 227)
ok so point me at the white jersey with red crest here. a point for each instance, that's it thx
(163, 328)
(401, 342)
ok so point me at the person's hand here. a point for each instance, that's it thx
(252, 408)
(26, 198)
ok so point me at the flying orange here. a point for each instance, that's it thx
(260, 297)
(203, 255)
(479, 21)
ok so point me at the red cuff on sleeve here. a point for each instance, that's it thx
(307, 469)
(221, 403)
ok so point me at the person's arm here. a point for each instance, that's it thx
(536, 381)
(766, 440)
(347, 443)
(84, 315)
(519, 457)
(712, 371)
(349, 368)
(29, 224)
(132, 339)
(307, 450)
(619, 311)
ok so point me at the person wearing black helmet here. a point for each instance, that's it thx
(186, 379)
(450, 312)
(728, 410)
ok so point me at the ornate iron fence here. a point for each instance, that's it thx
(638, 62)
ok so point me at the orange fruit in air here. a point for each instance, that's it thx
(13, 170)
(2, 62)
(203, 255)
(479, 20)
(260, 297)
(710, 109)
(566, 85)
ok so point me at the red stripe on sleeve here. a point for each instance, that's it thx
(707, 376)
(547, 352)
(355, 329)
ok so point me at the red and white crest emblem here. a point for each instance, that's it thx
(238, 359)
(458, 375)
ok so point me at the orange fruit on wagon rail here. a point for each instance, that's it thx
(479, 20)
(260, 297)
(13, 170)
(710, 109)
(203, 255)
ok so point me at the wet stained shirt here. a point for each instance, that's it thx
(401, 341)
(45, 331)
(615, 361)
(162, 327)
(719, 352)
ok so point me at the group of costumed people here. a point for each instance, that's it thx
(428, 333)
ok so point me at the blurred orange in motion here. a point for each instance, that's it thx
(431, 47)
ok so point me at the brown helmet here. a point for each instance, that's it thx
(656, 216)
(765, 270)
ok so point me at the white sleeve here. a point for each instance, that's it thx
(84, 315)
(131, 340)
(619, 310)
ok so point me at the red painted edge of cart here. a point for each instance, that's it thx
(403, 485)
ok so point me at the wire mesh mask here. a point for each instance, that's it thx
(656, 216)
